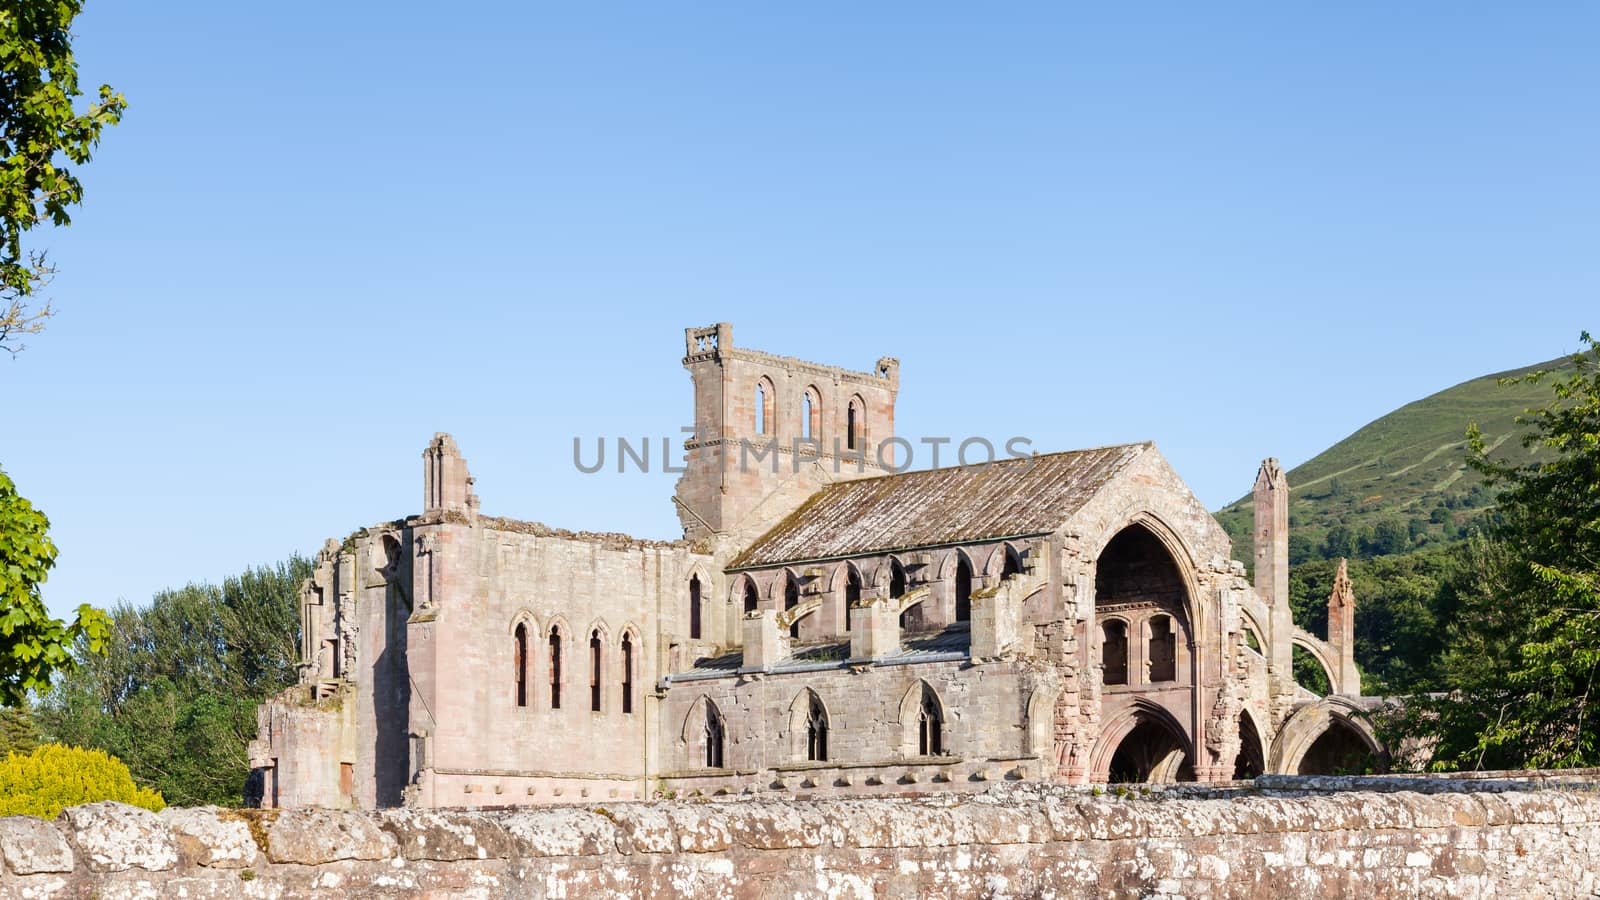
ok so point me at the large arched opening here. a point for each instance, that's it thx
(1151, 751)
(1329, 737)
(1141, 605)
(1252, 758)
(1340, 750)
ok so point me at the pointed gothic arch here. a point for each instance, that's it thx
(922, 721)
(809, 727)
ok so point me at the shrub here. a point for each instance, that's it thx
(53, 777)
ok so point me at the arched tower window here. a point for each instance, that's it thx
(816, 731)
(627, 673)
(520, 653)
(714, 737)
(766, 405)
(694, 607)
(791, 599)
(1114, 651)
(930, 725)
(852, 424)
(594, 670)
(555, 668)
(852, 593)
(963, 590)
(1163, 649)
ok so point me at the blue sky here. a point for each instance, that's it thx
(326, 231)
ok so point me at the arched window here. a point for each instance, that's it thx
(791, 599)
(1114, 651)
(694, 608)
(766, 406)
(555, 668)
(627, 672)
(752, 597)
(963, 590)
(852, 593)
(594, 671)
(852, 424)
(930, 725)
(811, 415)
(520, 654)
(897, 589)
(1012, 566)
(714, 737)
(816, 731)
(1163, 650)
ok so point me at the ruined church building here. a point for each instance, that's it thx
(824, 627)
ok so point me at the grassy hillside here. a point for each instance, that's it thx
(1400, 483)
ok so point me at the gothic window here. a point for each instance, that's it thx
(766, 406)
(963, 590)
(1114, 651)
(714, 737)
(930, 725)
(520, 661)
(811, 415)
(1163, 650)
(694, 608)
(791, 599)
(852, 424)
(627, 673)
(852, 593)
(555, 668)
(816, 731)
(594, 671)
(752, 598)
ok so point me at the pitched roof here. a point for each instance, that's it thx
(934, 507)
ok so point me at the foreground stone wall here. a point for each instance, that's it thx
(1309, 837)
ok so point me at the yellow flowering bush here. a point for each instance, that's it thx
(53, 777)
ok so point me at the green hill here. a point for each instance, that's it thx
(1401, 482)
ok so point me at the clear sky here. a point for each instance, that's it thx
(327, 230)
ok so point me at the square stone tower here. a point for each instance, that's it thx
(770, 430)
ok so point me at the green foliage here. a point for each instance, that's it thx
(33, 646)
(40, 132)
(1401, 603)
(1361, 497)
(1309, 674)
(176, 695)
(53, 777)
(1524, 648)
(18, 733)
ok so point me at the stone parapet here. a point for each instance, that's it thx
(1510, 835)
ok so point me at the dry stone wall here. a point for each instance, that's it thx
(1305, 837)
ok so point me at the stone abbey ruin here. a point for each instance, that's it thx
(826, 627)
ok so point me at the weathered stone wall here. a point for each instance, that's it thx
(1370, 837)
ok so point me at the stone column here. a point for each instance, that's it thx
(764, 646)
(995, 617)
(874, 628)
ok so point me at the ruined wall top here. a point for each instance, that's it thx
(446, 483)
(716, 342)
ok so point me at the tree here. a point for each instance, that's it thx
(175, 697)
(39, 132)
(33, 646)
(18, 734)
(1523, 654)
